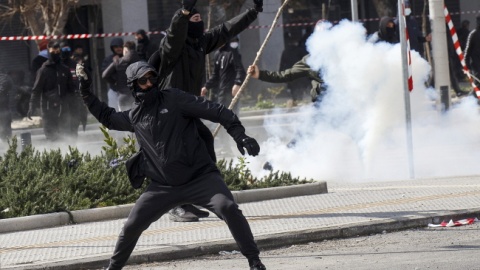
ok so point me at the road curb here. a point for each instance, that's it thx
(122, 211)
(265, 241)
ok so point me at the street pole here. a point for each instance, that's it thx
(406, 91)
(440, 52)
(354, 10)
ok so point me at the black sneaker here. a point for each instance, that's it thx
(194, 210)
(257, 265)
(178, 214)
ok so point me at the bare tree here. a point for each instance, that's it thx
(41, 17)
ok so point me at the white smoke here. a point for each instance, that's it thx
(359, 131)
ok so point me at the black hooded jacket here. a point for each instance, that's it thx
(54, 81)
(166, 131)
(109, 59)
(115, 75)
(145, 48)
(180, 60)
(387, 36)
(228, 71)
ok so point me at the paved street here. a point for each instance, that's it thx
(347, 210)
(415, 249)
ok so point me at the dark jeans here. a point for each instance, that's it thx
(208, 190)
(51, 120)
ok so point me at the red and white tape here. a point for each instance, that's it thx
(452, 223)
(458, 49)
(83, 36)
(409, 56)
(75, 36)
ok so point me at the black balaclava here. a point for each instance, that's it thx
(65, 54)
(478, 22)
(144, 96)
(195, 29)
(145, 38)
(54, 57)
(390, 31)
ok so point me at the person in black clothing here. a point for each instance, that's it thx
(180, 61)
(173, 157)
(145, 48)
(228, 74)
(117, 70)
(417, 39)
(116, 46)
(78, 112)
(387, 31)
(55, 88)
(5, 116)
(463, 33)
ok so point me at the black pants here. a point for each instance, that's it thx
(208, 190)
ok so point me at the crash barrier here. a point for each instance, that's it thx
(106, 35)
(458, 50)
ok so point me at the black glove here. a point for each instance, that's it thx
(248, 143)
(189, 4)
(258, 5)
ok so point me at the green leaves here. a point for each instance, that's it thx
(33, 182)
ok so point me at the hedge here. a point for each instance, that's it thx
(33, 182)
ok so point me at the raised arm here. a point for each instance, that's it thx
(104, 114)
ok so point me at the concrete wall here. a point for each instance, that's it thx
(123, 16)
(252, 39)
(472, 7)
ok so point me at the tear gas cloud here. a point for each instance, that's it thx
(359, 132)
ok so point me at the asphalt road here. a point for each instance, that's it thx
(425, 248)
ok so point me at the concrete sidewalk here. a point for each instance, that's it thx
(347, 210)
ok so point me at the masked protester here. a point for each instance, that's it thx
(117, 70)
(173, 157)
(417, 39)
(228, 74)
(55, 88)
(76, 110)
(387, 31)
(116, 46)
(180, 61)
(145, 48)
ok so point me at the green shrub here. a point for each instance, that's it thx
(33, 182)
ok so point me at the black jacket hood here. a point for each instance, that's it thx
(116, 42)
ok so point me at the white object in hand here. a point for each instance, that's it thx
(80, 70)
